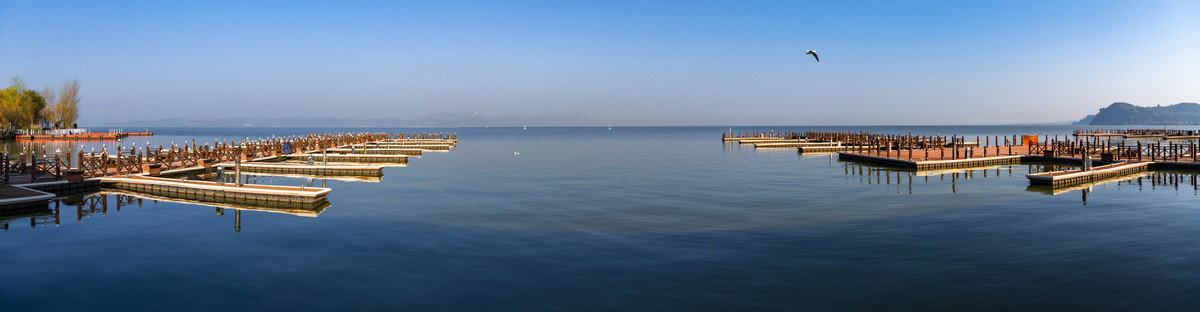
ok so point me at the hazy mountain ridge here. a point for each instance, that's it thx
(438, 120)
(1087, 120)
(1121, 113)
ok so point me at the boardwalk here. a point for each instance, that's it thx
(133, 168)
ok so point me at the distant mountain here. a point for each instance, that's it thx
(1087, 120)
(439, 120)
(1121, 113)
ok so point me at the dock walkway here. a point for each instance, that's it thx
(1073, 177)
(213, 191)
(421, 146)
(793, 144)
(935, 164)
(373, 151)
(315, 169)
(351, 158)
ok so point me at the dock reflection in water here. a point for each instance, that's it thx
(1154, 180)
(906, 179)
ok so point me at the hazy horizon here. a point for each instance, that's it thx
(631, 63)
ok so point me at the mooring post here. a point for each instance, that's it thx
(237, 167)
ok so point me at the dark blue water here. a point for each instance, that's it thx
(625, 219)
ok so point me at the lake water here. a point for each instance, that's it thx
(655, 218)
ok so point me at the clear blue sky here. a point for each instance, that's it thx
(636, 62)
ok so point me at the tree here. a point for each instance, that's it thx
(50, 112)
(31, 107)
(11, 101)
(67, 107)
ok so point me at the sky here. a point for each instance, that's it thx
(627, 62)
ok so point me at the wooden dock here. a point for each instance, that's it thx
(934, 164)
(418, 141)
(739, 139)
(1073, 177)
(98, 136)
(793, 144)
(17, 197)
(29, 180)
(302, 209)
(772, 141)
(301, 169)
(421, 146)
(373, 151)
(216, 192)
(829, 149)
(1055, 190)
(350, 158)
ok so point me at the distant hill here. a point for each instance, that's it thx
(1087, 120)
(1121, 113)
(439, 120)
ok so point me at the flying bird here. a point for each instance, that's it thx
(814, 54)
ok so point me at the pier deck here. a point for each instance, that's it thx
(213, 191)
(419, 141)
(935, 164)
(728, 139)
(828, 149)
(373, 151)
(1073, 177)
(315, 169)
(772, 141)
(793, 144)
(12, 197)
(292, 208)
(422, 146)
(351, 158)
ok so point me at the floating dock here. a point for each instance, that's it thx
(292, 208)
(829, 149)
(373, 151)
(301, 169)
(130, 170)
(350, 158)
(216, 192)
(1072, 177)
(419, 141)
(81, 136)
(935, 164)
(1055, 190)
(16, 197)
(772, 141)
(422, 146)
(763, 138)
(794, 144)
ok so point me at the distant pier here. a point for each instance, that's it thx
(29, 180)
(1108, 158)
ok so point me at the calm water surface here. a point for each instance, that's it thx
(624, 219)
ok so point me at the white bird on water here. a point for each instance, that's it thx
(814, 54)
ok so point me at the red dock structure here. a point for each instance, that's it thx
(79, 136)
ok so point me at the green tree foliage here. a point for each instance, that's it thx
(21, 107)
(31, 108)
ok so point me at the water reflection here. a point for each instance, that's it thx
(906, 179)
(36, 216)
(1154, 180)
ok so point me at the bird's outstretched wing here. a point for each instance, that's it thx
(814, 54)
